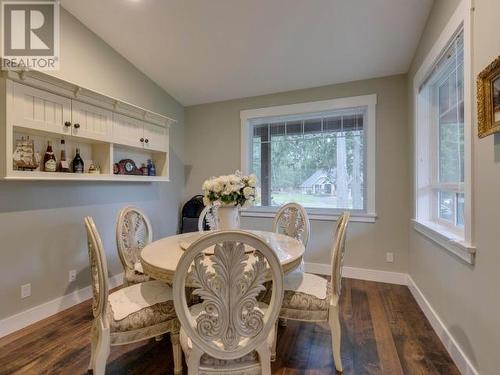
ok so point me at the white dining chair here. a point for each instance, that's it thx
(131, 314)
(133, 232)
(208, 216)
(229, 332)
(312, 298)
(293, 221)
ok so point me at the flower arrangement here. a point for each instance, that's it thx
(230, 190)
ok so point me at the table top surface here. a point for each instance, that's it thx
(160, 258)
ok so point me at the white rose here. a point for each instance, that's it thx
(248, 192)
(234, 179)
(217, 187)
(206, 201)
(205, 185)
(248, 203)
(252, 180)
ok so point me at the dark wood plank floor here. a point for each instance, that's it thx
(383, 332)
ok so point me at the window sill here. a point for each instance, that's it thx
(359, 217)
(446, 239)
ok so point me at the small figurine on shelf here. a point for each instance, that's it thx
(151, 168)
(94, 169)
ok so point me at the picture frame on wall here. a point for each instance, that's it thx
(488, 99)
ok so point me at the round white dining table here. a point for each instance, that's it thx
(159, 259)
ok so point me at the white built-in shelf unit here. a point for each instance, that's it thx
(105, 129)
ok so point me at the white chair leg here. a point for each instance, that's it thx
(275, 339)
(93, 345)
(100, 350)
(265, 359)
(193, 361)
(336, 332)
(177, 351)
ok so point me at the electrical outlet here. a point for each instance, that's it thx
(72, 276)
(25, 290)
(389, 257)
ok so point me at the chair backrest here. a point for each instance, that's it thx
(292, 220)
(208, 219)
(98, 269)
(229, 325)
(338, 253)
(133, 232)
(190, 213)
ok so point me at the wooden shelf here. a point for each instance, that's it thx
(55, 176)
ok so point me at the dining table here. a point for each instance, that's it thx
(159, 259)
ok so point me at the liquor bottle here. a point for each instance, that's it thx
(63, 163)
(49, 160)
(78, 162)
(151, 168)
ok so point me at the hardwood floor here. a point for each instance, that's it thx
(383, 332)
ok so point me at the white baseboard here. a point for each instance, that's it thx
(25, 318)
(360, 273)
(456, 353)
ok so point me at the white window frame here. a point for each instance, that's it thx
(459, 243)
(369, 101)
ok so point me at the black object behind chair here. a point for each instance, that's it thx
(190, 214)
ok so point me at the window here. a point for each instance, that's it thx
(441, 103)
(443, 140)
(318, 158)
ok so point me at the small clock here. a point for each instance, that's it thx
(126, 166)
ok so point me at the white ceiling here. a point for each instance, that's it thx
(203, 51)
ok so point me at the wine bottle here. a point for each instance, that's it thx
(63, 163)
(78, 162)
(49, 160)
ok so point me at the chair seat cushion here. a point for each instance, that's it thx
(304, 303)
(306, 283)
(140, 306)
(208, 361)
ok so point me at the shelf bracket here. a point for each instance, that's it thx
(78, 90)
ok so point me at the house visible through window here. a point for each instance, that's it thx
(317, 160)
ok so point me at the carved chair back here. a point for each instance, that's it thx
(338, 253)
(208, 216)
(133, 232)
(230, 324)
(292, 220)
(98, 270)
